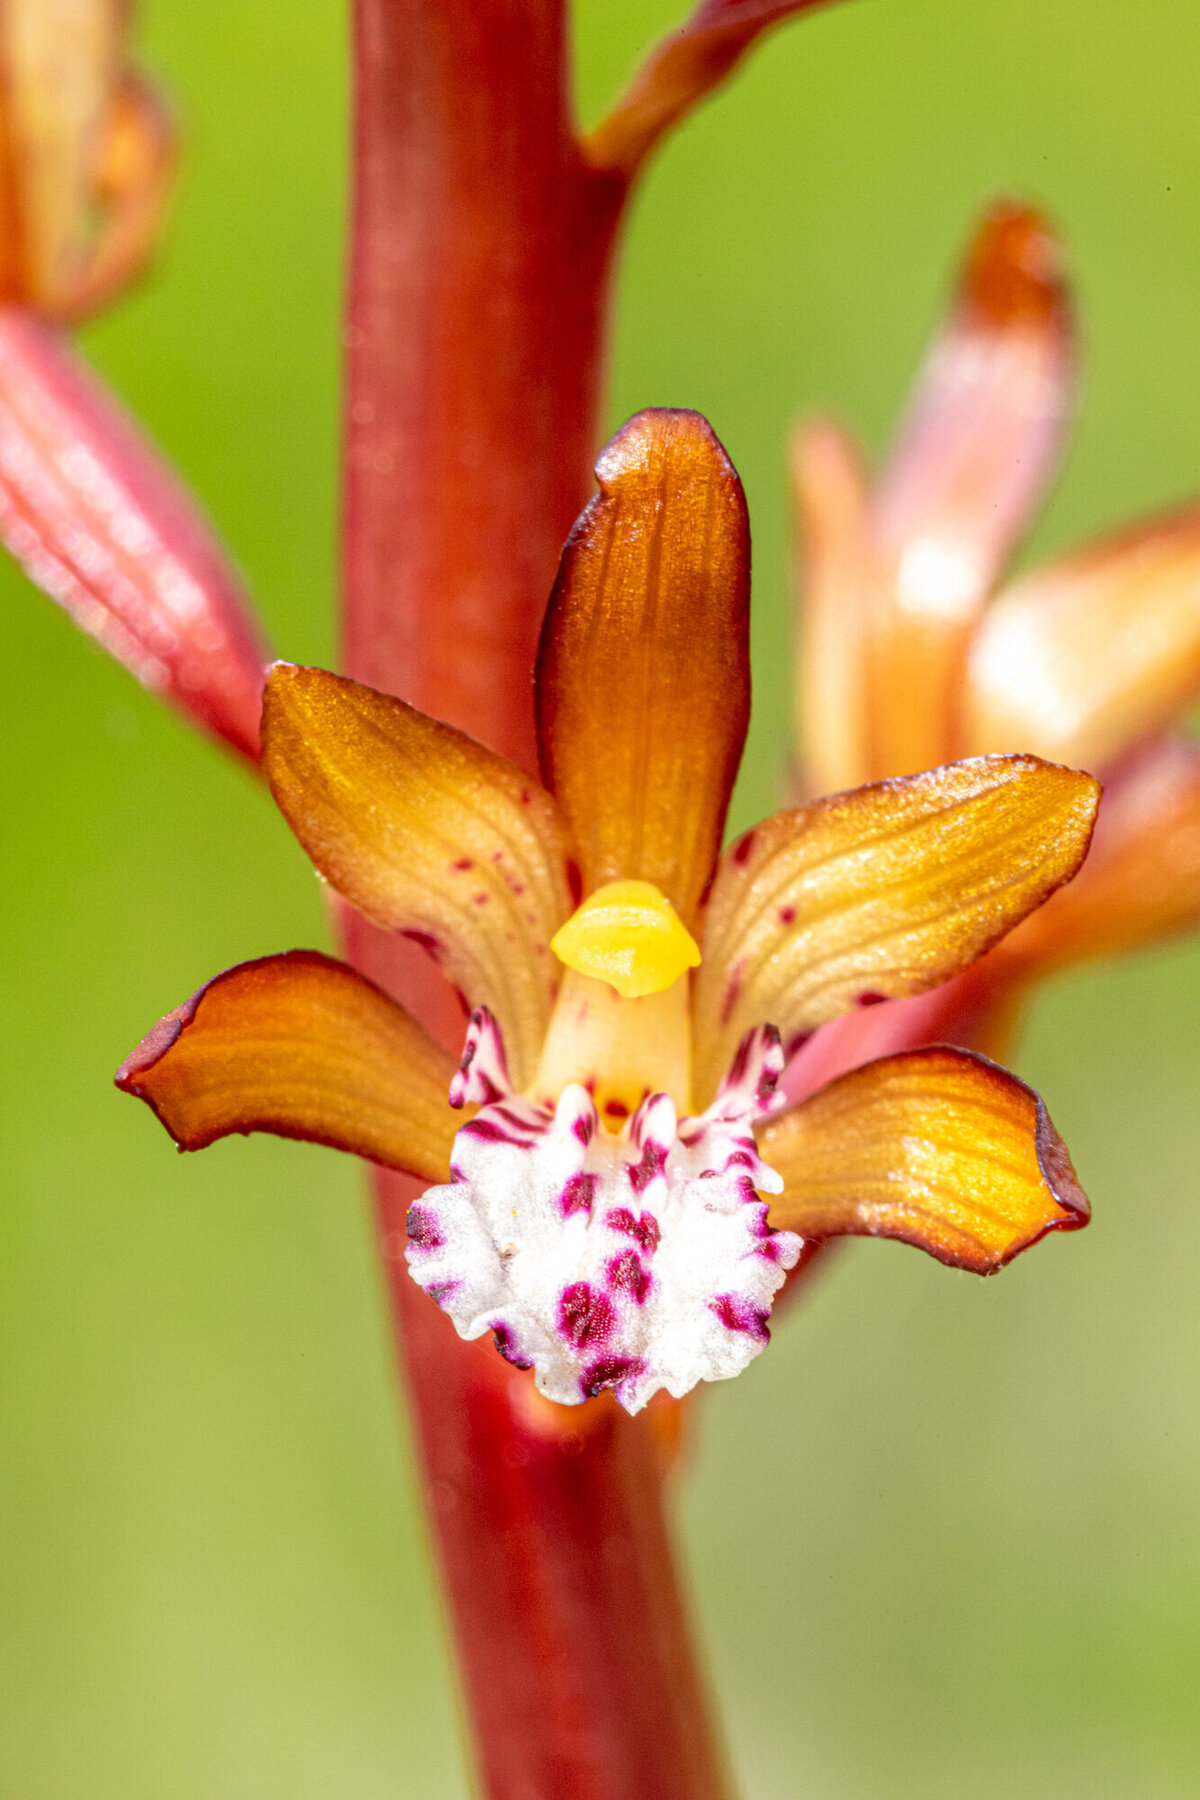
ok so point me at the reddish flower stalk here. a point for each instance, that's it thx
(481, 248)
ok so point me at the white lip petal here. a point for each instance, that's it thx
(632, 1262)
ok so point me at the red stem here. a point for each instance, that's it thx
(480, 260)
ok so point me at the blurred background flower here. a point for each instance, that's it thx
(973, 1563)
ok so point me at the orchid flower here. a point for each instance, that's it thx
(911, 653)
(601, 1213)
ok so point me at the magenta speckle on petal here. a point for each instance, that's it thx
(422, 1227)
(736, 1315)
(625, 1272)
(584, 1127)
(733, 987)
(578, 1193)
(609, 1372)
(585, 1317)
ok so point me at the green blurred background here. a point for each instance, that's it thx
(945, 1538)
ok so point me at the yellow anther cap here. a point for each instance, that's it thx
(628, 934)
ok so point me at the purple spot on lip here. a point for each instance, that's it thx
(654, 1161)
(644, 1231)
(796, 1043)
(584, 1316)
(584, 1127)
(577, 1194)
(870, 998)
(480, 899)
(738, 1315)
(786, 915)
(423, 1232)
(743, 847)
(506, 1344)
(616, 1109)
(609, 1372)
(464, 862)
(575, 882)
(491, 1131)
(626, 1273)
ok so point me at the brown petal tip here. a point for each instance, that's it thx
(1014, 272)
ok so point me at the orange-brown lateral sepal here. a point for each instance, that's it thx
(428, 833)
(881, 892)
(938, 1147)
(643, 674)
(304, 1047)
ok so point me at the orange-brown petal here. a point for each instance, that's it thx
(885, 891)
(643, 674)
(304, 1047)
(830, 489)
(679, 73)
(1094, 650)
(1141, 881)
(937, 1147)
(972, 458)
(427, 833)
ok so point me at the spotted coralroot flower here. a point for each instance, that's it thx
(913, 651)
(616, 1195)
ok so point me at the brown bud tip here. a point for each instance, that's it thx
(1013, 273)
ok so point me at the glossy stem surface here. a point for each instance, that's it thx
(480, 257)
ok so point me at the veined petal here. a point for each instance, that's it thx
(305, 1047)
(937, 1147)
(678, 74)
(1094, 650)
(885, 891)
(643, 673)
(427, 833)
(974, 453)
(98, 522)
(830, 489)
(1141, 881)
